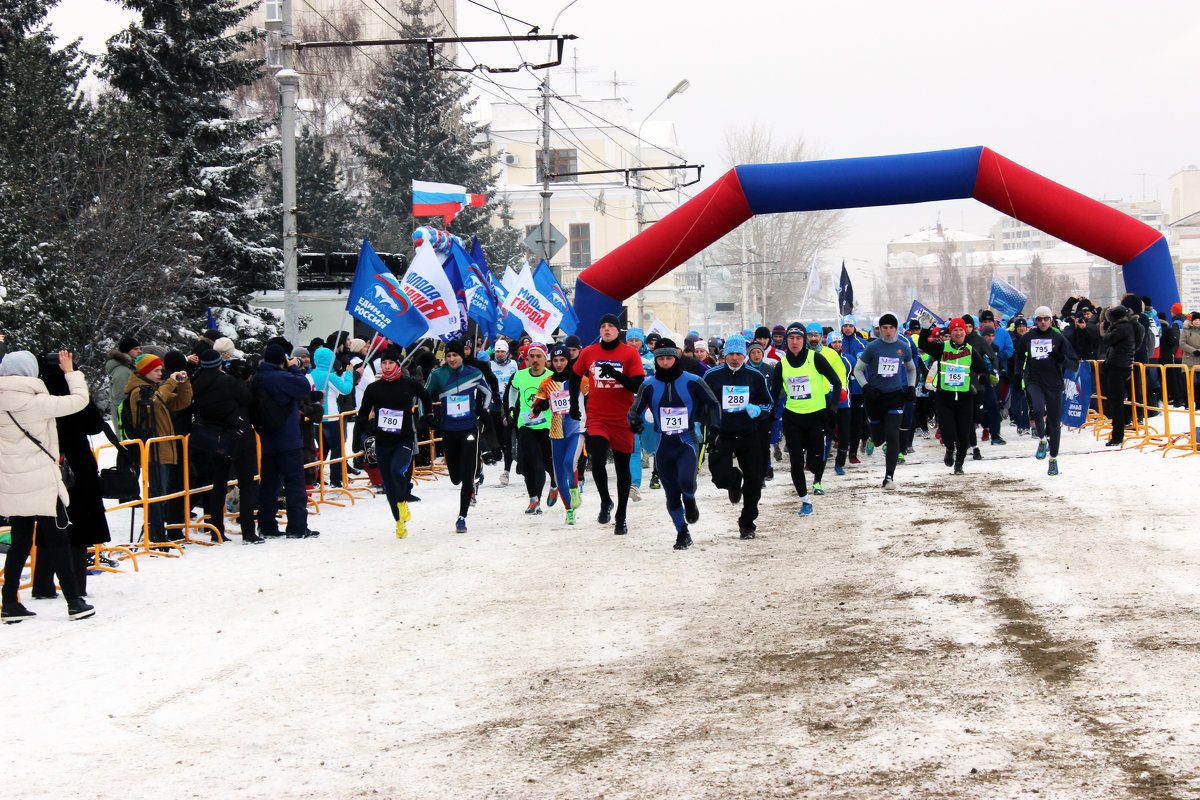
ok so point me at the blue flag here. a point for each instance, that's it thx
(481, 294)
(212, 323)
(507, 324)
(547, 286)
(450, 267)
(1077, 396)
(921, 311)
(376, 299)
(1004, 299)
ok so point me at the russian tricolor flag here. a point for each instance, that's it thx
(442, 199)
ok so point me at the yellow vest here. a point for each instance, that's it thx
(805, 387)
(839, 367)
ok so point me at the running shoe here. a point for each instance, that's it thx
(1043, 449)
(683, 539)
(870, 448)
(570, 516)
(691, 511)
(461, 525)
(949, 458)
(534, 506)
(839, 470)
(854, 460)
(635, 493)
(998, 440)
(976, 455)
(401, 530)
(552, 498)
(504, 478)
(654, 482)
(889, 485)
(1053, 470)
(402, 510)
(805, 509)
(778, 453)
(605, 513)
(959, 471)
(817, 489)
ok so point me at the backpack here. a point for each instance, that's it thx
(144, 428)
(266, 415)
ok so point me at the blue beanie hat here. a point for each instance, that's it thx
(815, 327)
(635, 333)
(274, 354)
(735, 344)
(849, 320)
(748, 334)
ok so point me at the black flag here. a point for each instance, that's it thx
(845, 293)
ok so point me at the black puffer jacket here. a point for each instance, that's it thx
(1120, 341)
(220, 400)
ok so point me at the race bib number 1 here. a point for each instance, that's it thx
(888, 367)
(673, 421)
(733, 398)
(1040, 348)
(458, 405)
(799, 388)
(391, 420)
(560, 402)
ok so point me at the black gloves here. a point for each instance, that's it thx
(607, 370)
(637, 424)
(428, 420)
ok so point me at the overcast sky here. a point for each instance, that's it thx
(1098, 96)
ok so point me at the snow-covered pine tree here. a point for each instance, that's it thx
(327, 217)
(415, 122)
(181, 63)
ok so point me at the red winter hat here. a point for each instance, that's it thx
(1177, 309)
(957, 322)
(146, 363)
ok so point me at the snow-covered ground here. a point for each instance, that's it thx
(995, 635)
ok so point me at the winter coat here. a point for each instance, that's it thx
(168, 396)
(1190, 342)
(325, 379)
(118, 368)
(1121, 344)
(220, 401)
(1168, 343)
(88, 525)
(30, 482)
(286, 387)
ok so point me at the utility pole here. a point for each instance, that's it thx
(546, 193)
(289, 82)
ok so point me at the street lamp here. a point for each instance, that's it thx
(678, 88)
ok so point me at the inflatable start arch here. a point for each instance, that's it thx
(878, 181)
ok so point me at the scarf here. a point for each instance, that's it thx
(391, 374)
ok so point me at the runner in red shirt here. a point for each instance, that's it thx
(614, 371)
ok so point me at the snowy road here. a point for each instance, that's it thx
(993, 636)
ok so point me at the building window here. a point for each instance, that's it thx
(561, 161)
(274, 9)
(581, 244)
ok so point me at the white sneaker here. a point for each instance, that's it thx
(504, 478)
(635, 494)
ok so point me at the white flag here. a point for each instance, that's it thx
(430, 291)
(662, 330)
(537, 313)
(814, 278)
(814, 283)
(509, 281)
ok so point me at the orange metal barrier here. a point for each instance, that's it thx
(175, 548)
